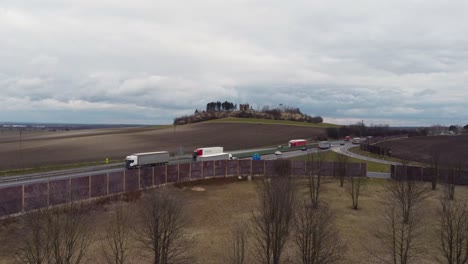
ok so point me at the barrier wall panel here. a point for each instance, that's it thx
(244, 167)
(399, 172)
(339, 169)
(172, 173)
(363, 170)
(98, 185)
(184, 172)
(159, 175)
(208, 168)
(354, 169)
(80, 188)
(220, 168)
(11, 200)
(414, 173)
(196, 170)
(298, 168)
(232, 167)
(131, 180)
(35, 196)
(427, 174)
(326, 168)
(258, 167)
(59, 191)
(116, 182)
(269, 168)
(146, 177)
(463, 179)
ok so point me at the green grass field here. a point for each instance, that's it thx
(269, 122)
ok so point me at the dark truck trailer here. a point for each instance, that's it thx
(139, 160)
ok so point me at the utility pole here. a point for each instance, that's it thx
(20, 142)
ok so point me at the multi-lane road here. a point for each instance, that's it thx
(72, 173)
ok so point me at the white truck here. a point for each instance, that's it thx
(139, 160)
(211, 153)
(356, 140)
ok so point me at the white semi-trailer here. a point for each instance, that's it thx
(218, 156)
(206, 151)
(139, 160)
(211, 153)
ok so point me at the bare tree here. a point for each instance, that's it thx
(314, 165)
(406, 192)
(237, 246)
(274, 215)
(450, 180)
(354, 187)
(34, 246)
(116, 247)
(59, 234)
(453, 230)
(399, 240)
(316, 236)
(162, 231)
(342, 168)
(435, 155)
(69, 233)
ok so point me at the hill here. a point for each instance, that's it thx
(267, 113)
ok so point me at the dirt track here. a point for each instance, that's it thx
(453, 149)
(46, 148)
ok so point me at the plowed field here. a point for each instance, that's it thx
(48, 148)
(453, 149)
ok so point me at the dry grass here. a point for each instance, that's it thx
(222, 204)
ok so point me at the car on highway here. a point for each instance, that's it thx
(278, 152)
(342, 143)
(304, 148)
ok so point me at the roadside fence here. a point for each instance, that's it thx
(28, 196)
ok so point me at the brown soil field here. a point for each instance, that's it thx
(453, 149)
(214, 211)
(50, 148)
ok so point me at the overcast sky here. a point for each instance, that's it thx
(399, 62)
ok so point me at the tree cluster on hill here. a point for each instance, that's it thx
(218, 106)
(217, 110)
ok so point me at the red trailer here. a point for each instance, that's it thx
(297, 142)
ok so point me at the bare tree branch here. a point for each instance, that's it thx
(271, 223)
(317, 237)
(162, 233)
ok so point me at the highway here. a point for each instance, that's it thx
(103, 169)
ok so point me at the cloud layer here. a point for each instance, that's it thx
(146, 61)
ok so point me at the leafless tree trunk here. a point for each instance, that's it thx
(342, 168)
(453, 229)
(451, 179)
(237, 246)
(353, 186)
(115, 247)
(317, 237)
(406, 192)
(314, 178)
(162, 231)
(435, 154)
(400, 240)
(274, 215)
